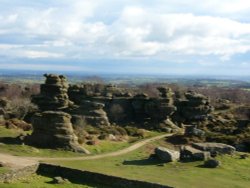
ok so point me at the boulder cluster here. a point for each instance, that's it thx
(196, 152)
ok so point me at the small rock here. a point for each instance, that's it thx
(212, 163)
(60, 180)
(244, 156)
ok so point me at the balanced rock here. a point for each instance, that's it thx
(167, 155)
(54, 130)
(215, 147)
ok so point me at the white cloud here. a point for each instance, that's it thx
(79, 29)
(39, 54)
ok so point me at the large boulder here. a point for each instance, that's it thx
(54, 130)
(190, 153)
(167, 155)
(215, 147)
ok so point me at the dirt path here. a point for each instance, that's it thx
(21, 161)
(16, 162)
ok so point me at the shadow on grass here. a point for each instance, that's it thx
(143, 162)
(11, 140)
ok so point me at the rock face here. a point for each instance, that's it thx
(190, 153)
(195, 107)
(54, 130)
(53, 93)
(215, 147)
(167, 155)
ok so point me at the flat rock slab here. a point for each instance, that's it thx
(215, 147)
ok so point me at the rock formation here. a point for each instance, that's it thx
(53, 94)
(160, 109)
(53, 129)
(195, 107)
(92, 112)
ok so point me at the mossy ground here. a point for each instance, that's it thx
(233, 173)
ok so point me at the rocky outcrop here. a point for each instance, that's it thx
(54, 94)
(92, 112)
(54, 130)
(161, 108)
(215, 147)
(167, 155)
(196, 107)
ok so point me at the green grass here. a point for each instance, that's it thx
(36, 181)
(106, 146)
(25, 150)
(3, 170)
(234, 172)
(9, 132)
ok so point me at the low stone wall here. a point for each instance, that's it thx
(18, 173)
(81, 176)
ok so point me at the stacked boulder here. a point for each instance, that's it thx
(195, 107)
(53, 93)
(160, 109)
(52, 127)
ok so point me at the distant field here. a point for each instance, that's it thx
(233, 173)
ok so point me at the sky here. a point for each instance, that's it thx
(190, 37)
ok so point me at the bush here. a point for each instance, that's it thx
(20, 107)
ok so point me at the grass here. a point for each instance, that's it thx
(3, 170)
(234, 172)
(104, 146)
(36, 181)
(9, 132)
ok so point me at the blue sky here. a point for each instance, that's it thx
(190, 37)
